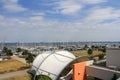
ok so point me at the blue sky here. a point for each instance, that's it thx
(59, 20)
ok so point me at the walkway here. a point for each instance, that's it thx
(12, 74)
(19, 59)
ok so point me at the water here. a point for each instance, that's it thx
(60, 43)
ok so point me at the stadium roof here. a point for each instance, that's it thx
(52, 63)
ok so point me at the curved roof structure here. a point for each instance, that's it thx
(52, 63)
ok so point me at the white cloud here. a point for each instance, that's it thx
(101, 14)
(36, 18)
(68, 7)
(94, 1)
(37, 28)
(38, 13)
(1, 17)
(13, 6)
(72, 7)
(9, 1)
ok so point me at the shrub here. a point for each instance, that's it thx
(101, 56)
(90, 51)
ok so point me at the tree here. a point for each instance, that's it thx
(93, 47)
(28, 56)
(85, 46)
(90, 51)
(96, 47)
(7, 51)
(25, 52)
(19, 50)
(29, 59)
(104, 50)
(101, 56)
(4, 50)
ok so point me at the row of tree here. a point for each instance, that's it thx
(94, 47)
(101, 55)
(90, 50)
(28, 56)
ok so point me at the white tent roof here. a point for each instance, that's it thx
(52, 63)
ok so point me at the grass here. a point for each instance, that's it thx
(26, 77)
(42, 77)
(90, 78)
(81, 53)
(12, 65)
(20, 77)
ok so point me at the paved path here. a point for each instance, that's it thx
(101, 61)
(12, 74)
(19, 59)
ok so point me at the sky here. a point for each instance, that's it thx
(59, 20)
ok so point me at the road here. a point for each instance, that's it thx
(12, 74)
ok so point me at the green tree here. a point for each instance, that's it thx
(25, 52)
(7, 51)
(18, 50)
(90, 51)
(104, 50)
(93, 47)
(96, 47)
(4, 50)
(101, 56)
(29, 59)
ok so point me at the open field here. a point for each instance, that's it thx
(81, 53)
(20, 77)
(12, 65)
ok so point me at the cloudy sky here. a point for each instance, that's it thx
(59, 20)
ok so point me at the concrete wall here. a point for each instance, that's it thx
(101, 73)
(113, 57)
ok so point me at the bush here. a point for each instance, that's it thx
(90, 51)
(40, 77)
(43, 77)
(101, 56)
